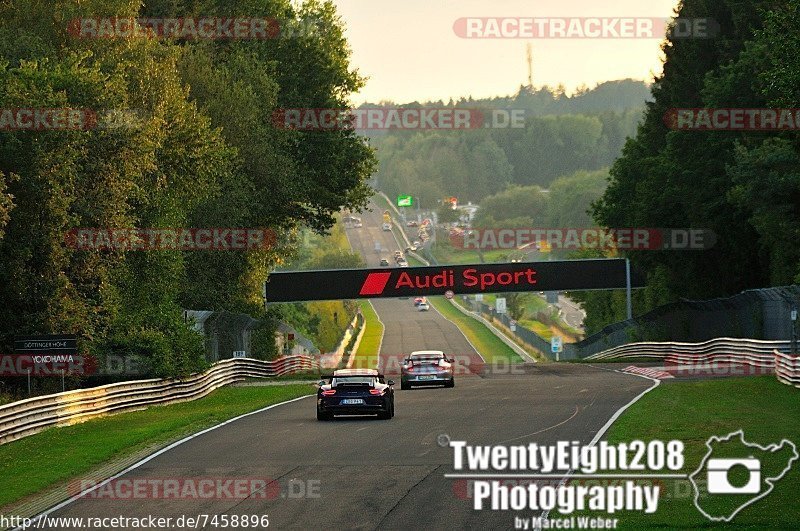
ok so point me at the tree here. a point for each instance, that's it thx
(679, 178)
(571, 196)
(516, 304)
(6, 204)
(337, 259)
(445, 214)
(514, 202)
(203, 153)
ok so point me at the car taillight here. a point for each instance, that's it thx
(329, 392)
(376, 391)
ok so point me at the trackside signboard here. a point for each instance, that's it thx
(437, 280)
(48, 344)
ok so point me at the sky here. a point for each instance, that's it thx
(410, 50)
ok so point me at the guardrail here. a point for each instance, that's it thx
(354, 349)
(333, 359)
(769, 355)
(723, 349)
(787, 368)
(26, 417)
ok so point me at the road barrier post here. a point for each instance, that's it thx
(628, 288)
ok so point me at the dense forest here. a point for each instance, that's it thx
(201, 152)
(564, 204)
(199, 149)
(743, 185)
(562, 134)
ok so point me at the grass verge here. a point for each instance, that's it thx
(762, 407)
(446, 253)
(487, 344)
(56, 455)
(367, 354)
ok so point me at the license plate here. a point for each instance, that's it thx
(352, 401)
(428, 377)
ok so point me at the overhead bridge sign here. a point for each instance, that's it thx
(438, 280)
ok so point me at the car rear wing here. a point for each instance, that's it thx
(331, 376)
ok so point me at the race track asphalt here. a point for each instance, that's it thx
(363, 473)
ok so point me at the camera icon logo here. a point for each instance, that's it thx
(736, 473)
(719, 481)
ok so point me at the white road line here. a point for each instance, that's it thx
(543, 429)
(154, 455)
(611, 421)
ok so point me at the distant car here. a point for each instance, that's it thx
(423, 307)
(412, 223)
(384, 262)
(419, 300)
(355, 392)
(402, 263)
(398, 255)
(387, 227)
(357, 223)
(427, 367)
(416, 244)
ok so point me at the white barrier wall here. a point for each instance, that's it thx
(26, 417)
(752, 352)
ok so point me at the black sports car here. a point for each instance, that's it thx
(355, 392)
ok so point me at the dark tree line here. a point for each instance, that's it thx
(561, 135)
(743, 185)
(198, 149)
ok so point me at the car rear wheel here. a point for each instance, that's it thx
(405, 386)
(451, 383)
(321, 415)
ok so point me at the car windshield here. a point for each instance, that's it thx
(352, 380)
(427, 357)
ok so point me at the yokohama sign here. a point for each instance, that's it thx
(436, 280)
